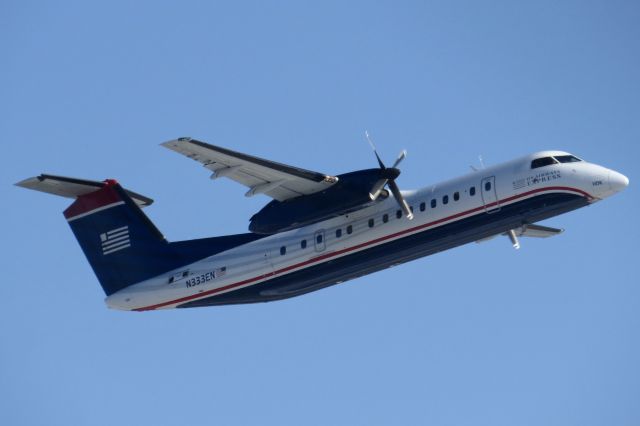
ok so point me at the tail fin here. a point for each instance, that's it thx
(120, 242)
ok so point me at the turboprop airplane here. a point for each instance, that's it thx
(319, 230)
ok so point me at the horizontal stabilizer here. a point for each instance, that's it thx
(72, 187)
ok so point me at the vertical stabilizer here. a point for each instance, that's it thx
(122, 245)
(119, 241)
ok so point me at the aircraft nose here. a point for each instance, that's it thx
(617, 181)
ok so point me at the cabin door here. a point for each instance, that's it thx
(268, 262)
(319, 240)
(489, 194)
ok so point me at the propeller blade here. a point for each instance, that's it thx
(379, 160)
(401, 156)
(375, 191)
(400, 199)
(375, 151)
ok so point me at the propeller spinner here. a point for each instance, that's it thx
(388, 177)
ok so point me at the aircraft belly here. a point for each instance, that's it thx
(431, 241)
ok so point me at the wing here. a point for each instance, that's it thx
(537, 231)
(527, 230)
(279, 181)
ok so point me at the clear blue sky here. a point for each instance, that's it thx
(480, 335)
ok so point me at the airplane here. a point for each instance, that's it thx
(318, 230)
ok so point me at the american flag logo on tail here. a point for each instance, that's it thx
(115, 240)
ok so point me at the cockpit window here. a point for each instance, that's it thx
(567, 158)
(541, 162)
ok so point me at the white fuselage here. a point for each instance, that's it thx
(477, 193)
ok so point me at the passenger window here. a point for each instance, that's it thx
(349, 229)
(385, 218)
(411, 208)
(283, 251)
(487, 186)
(456, 196)
(541, 162)
(371, 223)
(398, 214)
(472, 191)
(303, 244)
(338, 233)
(319, 239)
(433, 203)
(445, 199)
(423, 206)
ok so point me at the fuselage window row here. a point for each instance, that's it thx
(385, 216)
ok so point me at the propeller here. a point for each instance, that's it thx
(388, 177)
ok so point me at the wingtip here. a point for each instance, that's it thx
(29, 182)
(23, 181)
(173, 142)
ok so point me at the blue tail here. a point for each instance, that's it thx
(122, 244)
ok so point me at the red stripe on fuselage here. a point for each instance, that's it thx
(362, 245)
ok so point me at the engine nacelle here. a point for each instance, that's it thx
(350, 193)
